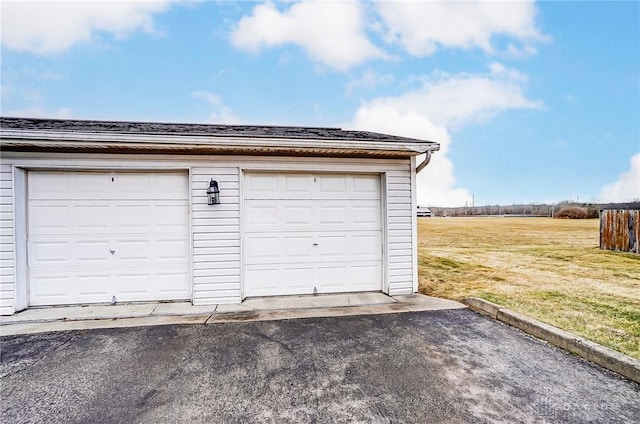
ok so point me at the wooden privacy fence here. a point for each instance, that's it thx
(620, 230)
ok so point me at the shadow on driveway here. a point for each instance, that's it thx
(440, 366)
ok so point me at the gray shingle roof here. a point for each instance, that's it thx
(176, 129)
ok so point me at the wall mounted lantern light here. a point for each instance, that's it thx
(213, 193)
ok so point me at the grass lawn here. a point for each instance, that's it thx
(548, 269)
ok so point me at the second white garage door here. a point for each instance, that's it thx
(95, 235)
(306, 231)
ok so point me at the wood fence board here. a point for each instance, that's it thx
(620, 230)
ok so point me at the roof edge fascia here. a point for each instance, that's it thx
(105, 140)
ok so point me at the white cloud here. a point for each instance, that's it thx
(368, 80)
(523, 52)
(330, 32)
(627, 188)
(335, 33)
(423, 27)
(52, 26)
(442, 102)
(222, 114)
(436, 183)
(458, 99)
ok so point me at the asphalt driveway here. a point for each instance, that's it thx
(441, 366)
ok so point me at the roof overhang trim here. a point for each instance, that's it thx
(64, 141)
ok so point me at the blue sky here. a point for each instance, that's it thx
(531, 102)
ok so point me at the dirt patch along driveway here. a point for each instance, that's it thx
(441, 366)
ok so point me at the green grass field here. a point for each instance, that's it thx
(549, 269)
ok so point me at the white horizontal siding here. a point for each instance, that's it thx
(219, 271)
(216, 236)
(7, 247)
(216, 243)
(201, 231)
(399, 231)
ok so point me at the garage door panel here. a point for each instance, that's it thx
(306, 231)
(90, 217)
(68, 186)
(92, 252)
(332, 278)
(132, 216)
(89, 183)
(112, 234)
(50, 288)
(138, 251)
(366, 246)
(48, 217)
(150, 186)
(133, 284)
(365, 277)
(171, 216)
(170, 186)
(333, 215)
(348, 277)
(366, 215)
(295, 278)
(49, 252)
(167, 285)
(174, 214)
(161, 285)
(332, 247)
(127, 285)
(93, 286)
(295, 248)
(173, 250)
(262, 280)
(261, 216)
(46, 185)
(122, 217)
(335, 184)
(297, 186)
(312, 215)
(298, 215)
(129, 183)
(366, 186)
(265, 185)
(286, 280)
(283, 248)
(261, 248)
(348, 215)
(303, 186)
(146, 250)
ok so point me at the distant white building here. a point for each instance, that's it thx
(423, 211)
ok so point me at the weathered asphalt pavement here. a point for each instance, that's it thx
(449, 366)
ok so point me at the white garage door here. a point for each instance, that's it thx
(306, 231)
(94, 235)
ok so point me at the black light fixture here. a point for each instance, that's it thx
(213, 193)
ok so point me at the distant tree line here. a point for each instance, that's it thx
(592, 210)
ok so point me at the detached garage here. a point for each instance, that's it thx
(99, 212)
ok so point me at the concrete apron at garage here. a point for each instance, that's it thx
(38, 320)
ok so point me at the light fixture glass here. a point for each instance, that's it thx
(213, 193)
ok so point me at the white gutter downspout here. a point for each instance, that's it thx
(425, 162)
